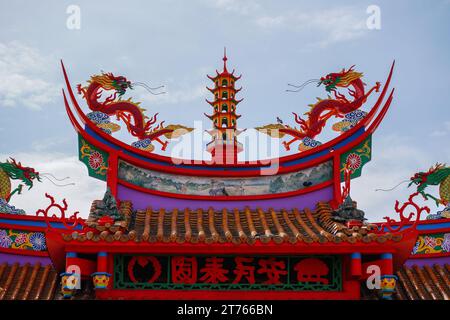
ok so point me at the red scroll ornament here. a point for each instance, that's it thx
(399, 227)
(70, 222)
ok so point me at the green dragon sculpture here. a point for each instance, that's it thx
(439, 175)
(12, 170)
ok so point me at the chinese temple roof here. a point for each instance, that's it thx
(424, 283)
(27, 282)
(248, 226)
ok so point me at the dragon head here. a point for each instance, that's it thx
(341, 79)
(15, 170)
(420, 178)
(110, 82)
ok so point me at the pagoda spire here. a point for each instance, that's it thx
(225, 59)
(224, 146)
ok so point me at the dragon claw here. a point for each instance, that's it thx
(377, 86)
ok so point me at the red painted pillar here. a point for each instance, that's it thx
(72, 263)
(70, 256)
(111, 179)
(388, 279)
(355, 264)
(337, 199)
(387, 265)
(101, 277)
(102, 262)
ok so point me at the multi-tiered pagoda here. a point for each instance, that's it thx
(224, 147)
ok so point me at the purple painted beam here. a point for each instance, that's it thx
(427, 261)
(142, 200)
(22, 259)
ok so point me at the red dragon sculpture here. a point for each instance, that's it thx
(324, 109)
(130, 112)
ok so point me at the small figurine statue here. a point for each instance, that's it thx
(388, 283)
(108, 207)
(348, 211)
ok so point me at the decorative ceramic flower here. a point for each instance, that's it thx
(446, 243)
(354, 161)
(95, 160)
(20, 238)
(5, 240)
(430, 241)
(37, 240)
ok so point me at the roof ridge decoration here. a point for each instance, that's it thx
(407, 223)
(338, 106)
(439, 175)
(138, 124)
(98, 137)
(13, 170)
(70, 222)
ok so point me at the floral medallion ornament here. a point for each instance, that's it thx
(37, 240)
(21, 238)
(356, 158)
(5, 240)
(432, 243)
(354, 161)
(446, 244)
(95, 159)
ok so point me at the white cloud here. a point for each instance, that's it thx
(48, 144)
(442, 131)
(24, 75)
(270, 22)
(174, 95)
(79, 197)
(244, 7)
(330, 26)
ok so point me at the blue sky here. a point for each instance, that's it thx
(176, 43)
